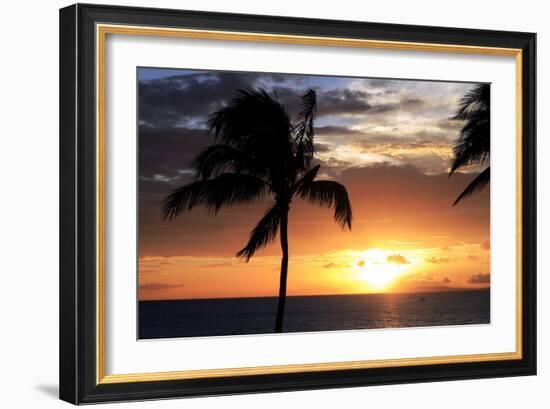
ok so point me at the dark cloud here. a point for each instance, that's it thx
(344, 101)
(173, 115)
(185, 99)
(322, 147)
(335, 130)
(359, 102)
(480, 278)
(410, 102)
(446, 280)
(169, 151)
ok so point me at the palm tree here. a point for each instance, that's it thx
(473, 144)
(260, 152)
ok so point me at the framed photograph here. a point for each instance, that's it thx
(257, 203)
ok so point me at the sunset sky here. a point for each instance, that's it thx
(388, 141)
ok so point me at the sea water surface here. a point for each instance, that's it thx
(238, 316)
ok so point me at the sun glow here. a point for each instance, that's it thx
(380, 268)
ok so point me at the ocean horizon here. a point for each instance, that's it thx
(311, 313)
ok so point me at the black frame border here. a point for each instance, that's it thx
(78, 204)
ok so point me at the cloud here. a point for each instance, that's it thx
(431, 153)
(173, 113)
(486, 245)
(344, 101)
(426, 145)
(335, 130)
(380, 150)
(158, 177)
(158, 286)
(472, 257)
(336, 265)
(218, 265)
(446, 280)
(189, 98)
(165, 153)
(397, 259)
(361, 263)
(480, 278)
(322, 147)
(396, 131)
(437, 260)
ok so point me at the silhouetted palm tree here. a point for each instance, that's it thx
(260, 152)
(473, 145)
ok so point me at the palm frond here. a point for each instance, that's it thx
(264, 232)
(306, 179)
(329, 194)
(472, 146)
(220, 158)
(304, 131)
(479, 182)
(473, 143)
(474, 102)
(225, 190)
(251, 121)
(258, 125)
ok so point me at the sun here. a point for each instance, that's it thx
(380, 268)
(380, 277)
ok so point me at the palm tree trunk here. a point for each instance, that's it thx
(284, 271)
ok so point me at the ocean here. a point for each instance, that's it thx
(239, 316)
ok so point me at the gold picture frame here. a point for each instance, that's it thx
(100, 23)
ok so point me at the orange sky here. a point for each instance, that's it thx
(402, 232)
(406, 236)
